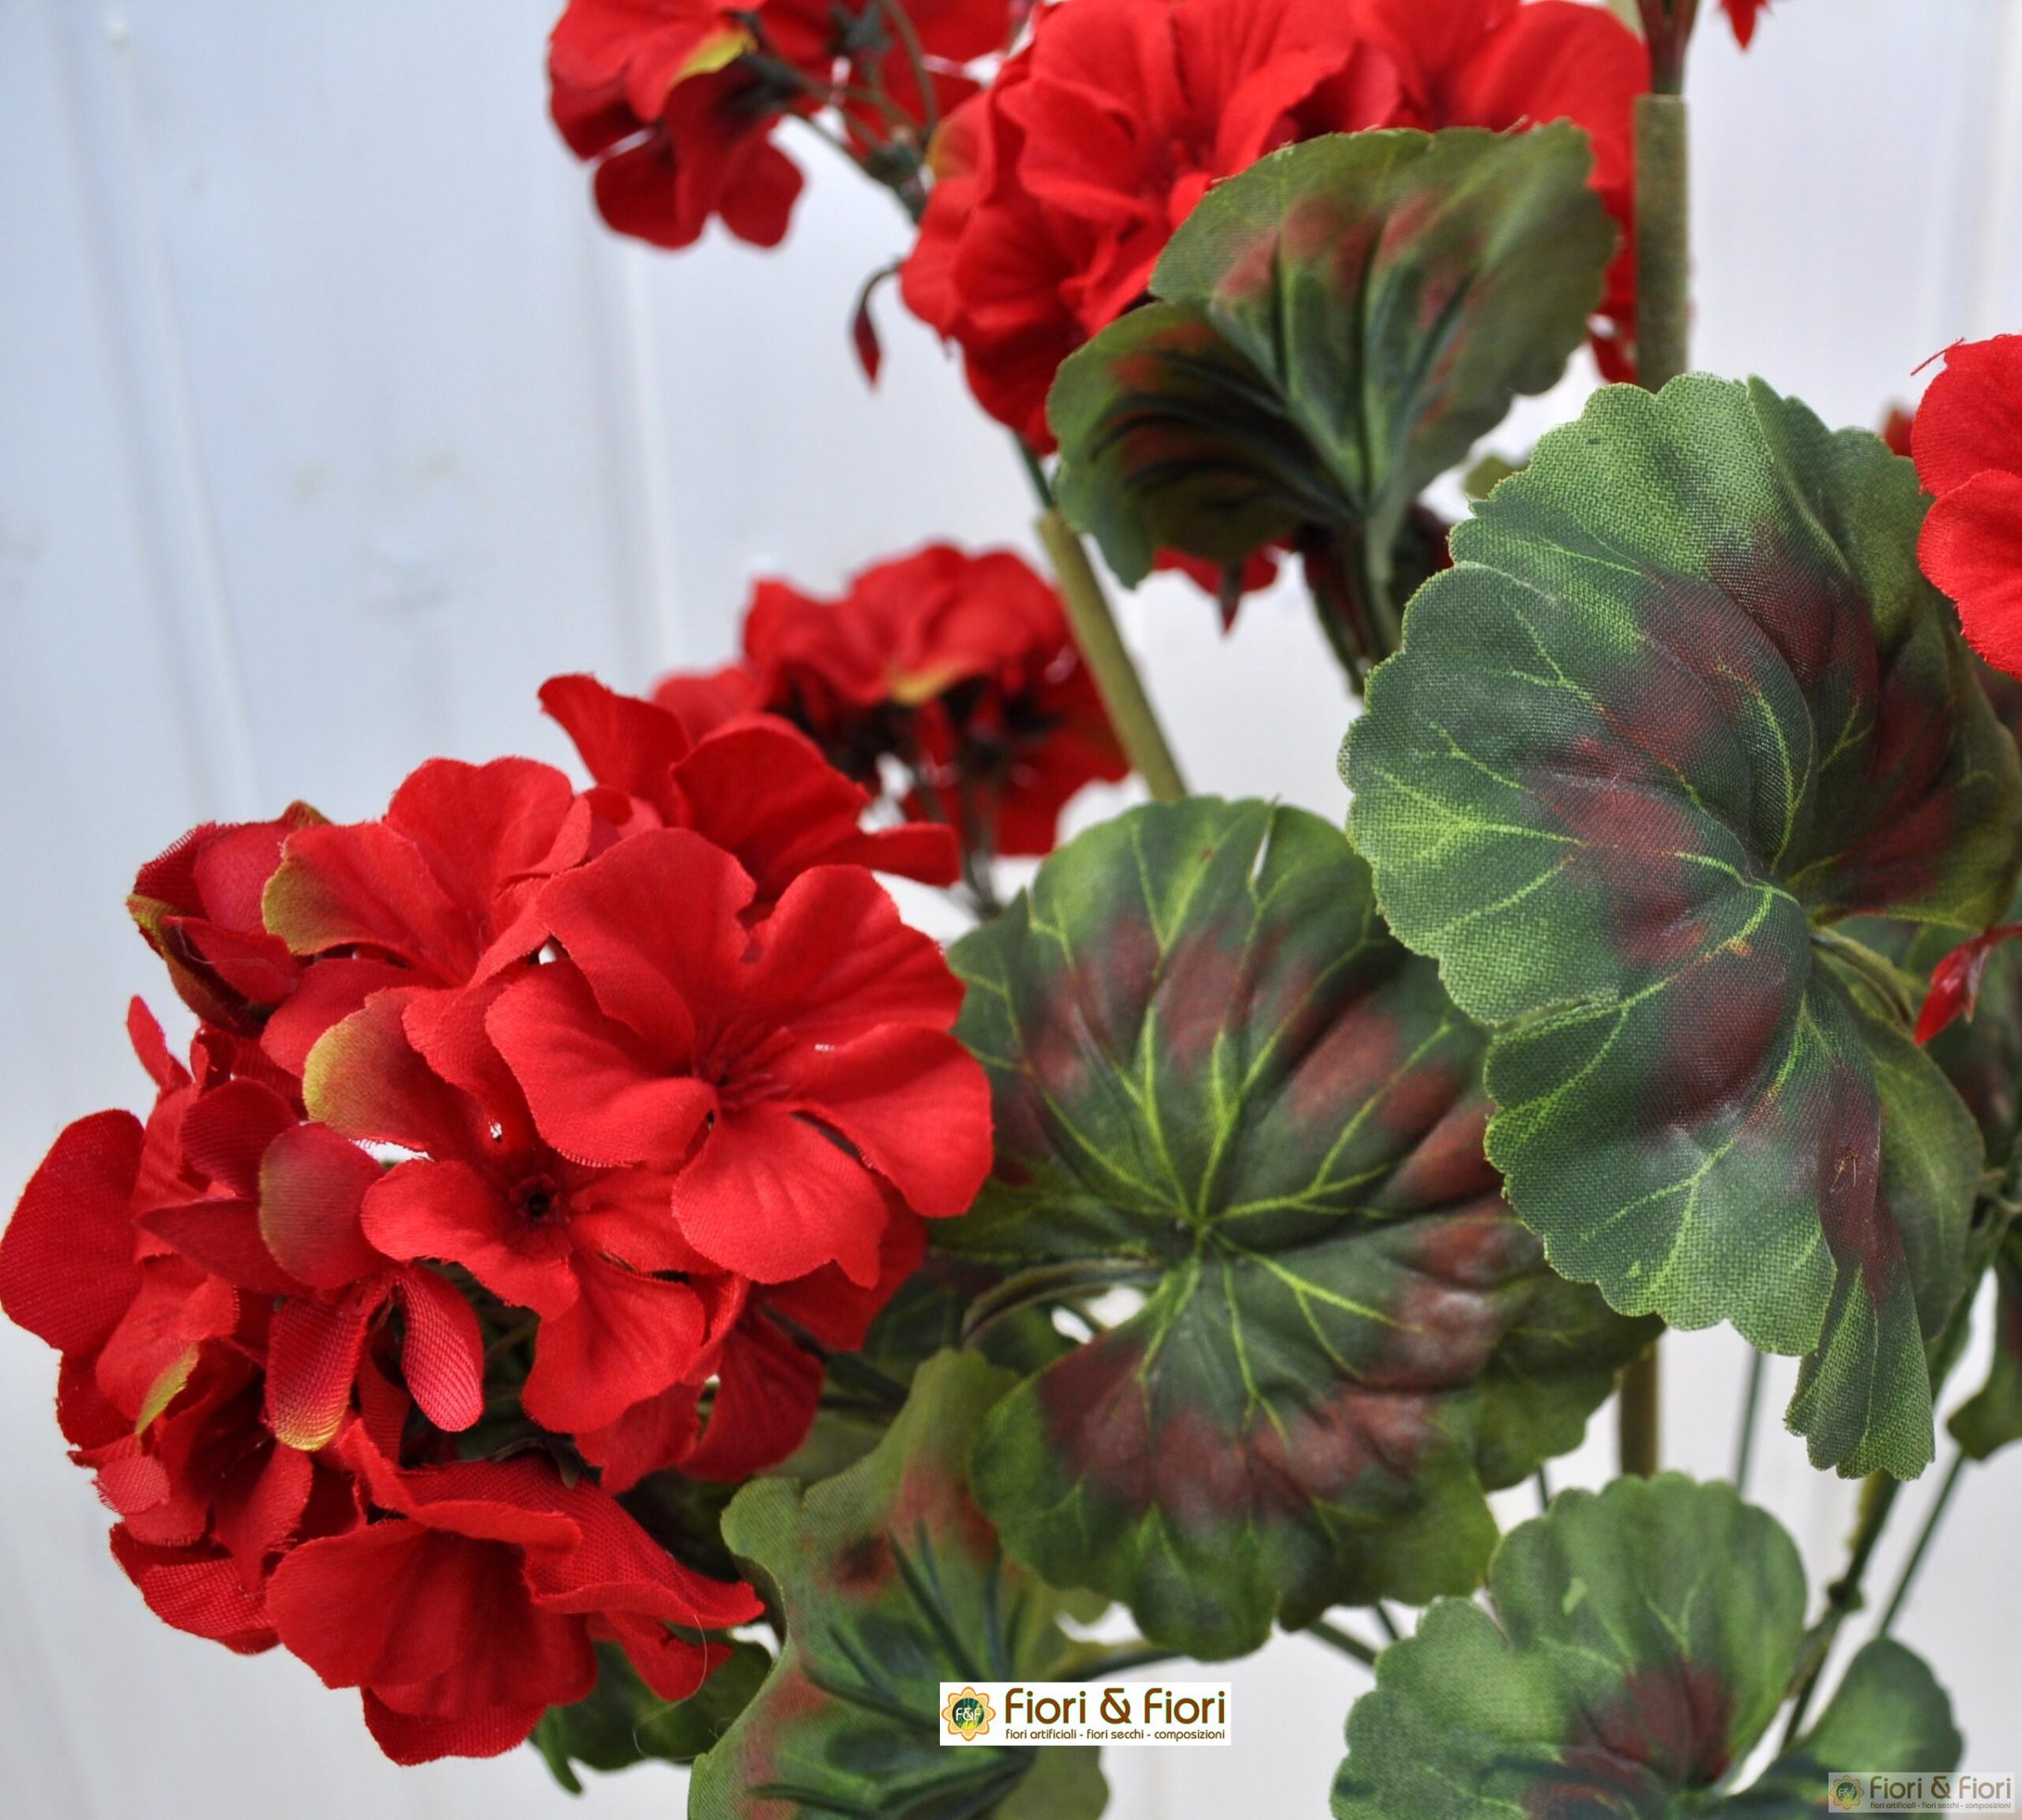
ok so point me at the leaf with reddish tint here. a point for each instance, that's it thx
(1216, 1078)
(1683, 706)
(1334, 327)
(891, 1581)
(1636, 1647)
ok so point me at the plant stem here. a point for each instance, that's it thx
(1389, 1624)
(1843, 1597)
(1751, 1403)
(1639, 1415)
(1544, 1490)
(1109, 661)
(1122, 1659)
(1898, 992)
(1344, 1640)
(1045, 1282)
(1663, 309)
(1924, 1535)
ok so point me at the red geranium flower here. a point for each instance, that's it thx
(674, 101)
(1060, 186)
(961, 666)
(758, 789)
(471, 1605)
(792, 1074)
(591, 1251)
(1968, 442)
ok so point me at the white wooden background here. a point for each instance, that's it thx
(331, 422)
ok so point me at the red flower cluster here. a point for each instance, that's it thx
(532, 1140)
(1059, 187)
(1968, 442)
(959, 668)
(674, 101)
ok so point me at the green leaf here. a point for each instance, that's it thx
(1684, 703)
(1215, 1076)
(1992, 1419)
(891, 1581)
(1335, 327)
(622, 1722)
(1638, 1645)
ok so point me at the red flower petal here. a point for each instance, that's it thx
(1971, 547)
(67, 1273)
(626, 1338)
(769, 1196)
(449, 1211)
(442, 1354)
(313, 1354)
(1970, 418)
(598, 1092)
(312, 1184)
(407, 1740)
(916, 1105)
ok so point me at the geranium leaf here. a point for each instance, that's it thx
(891, 1581)
(1638, 1645)
(1684, 704)
(1992, 1418)
(1216, 1076)
(1335, 327)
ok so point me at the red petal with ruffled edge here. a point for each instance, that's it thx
(769, 1196)
(449, 1211)
(914, 1102)
(599, 1091)
(626, 1338)
(313, 1354)
(67, 1272)
(1971, 547)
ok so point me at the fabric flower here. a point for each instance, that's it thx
(674, 101)
(595, 1252)
(794, 1076)
(1967, 444)
(962, 668)
(1058, 188)
(759, 790)
(471, 1604)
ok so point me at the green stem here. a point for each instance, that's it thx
(1045, 1282)
(1843, 1597)
(1109, 660)
(1924, 1535)
(929, 103)
(1122, 1661)
(1344, 1640)
(1751, 1403)
(1543, 1483)
(1664, 252)
(1639, 1415)
(1389, 1624)
(1899, 993)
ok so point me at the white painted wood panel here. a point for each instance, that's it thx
(331, 422)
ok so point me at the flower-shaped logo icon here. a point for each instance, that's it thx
(968, 1714)
(1847, 1794)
